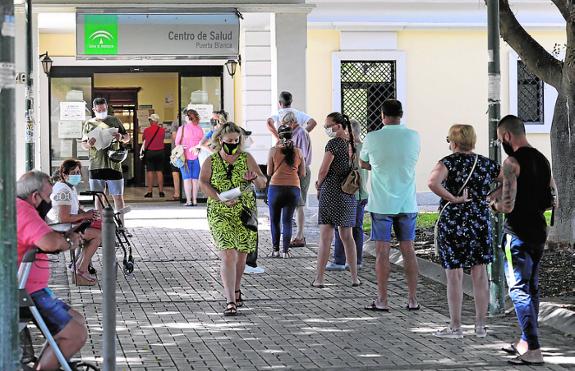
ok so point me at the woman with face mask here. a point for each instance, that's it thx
(190, 135)
(337, 209)
(228, 168)
(66, 211)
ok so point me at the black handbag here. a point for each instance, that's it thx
(249, 219)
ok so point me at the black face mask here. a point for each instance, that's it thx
(214, 122)
(44, 208)
(230, 148)
(507, 148)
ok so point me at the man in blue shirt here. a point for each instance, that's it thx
(391, 154)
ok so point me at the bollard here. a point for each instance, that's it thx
(109, 288)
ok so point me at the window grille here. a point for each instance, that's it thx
(529, 96)
(364, 87)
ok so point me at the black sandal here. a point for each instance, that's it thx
(231, 309)
(239, 300)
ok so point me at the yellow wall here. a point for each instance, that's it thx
(320, 45)
(57, 44)
(155, 87)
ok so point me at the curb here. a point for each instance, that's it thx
(550, 314)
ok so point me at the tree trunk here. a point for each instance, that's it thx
(563, 155)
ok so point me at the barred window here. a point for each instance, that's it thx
(364, 87)
(530, 104)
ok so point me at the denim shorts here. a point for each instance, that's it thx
(192, 170)
(53, 310)
(403, 225)
(115, 186)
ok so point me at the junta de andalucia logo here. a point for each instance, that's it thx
(101, 34)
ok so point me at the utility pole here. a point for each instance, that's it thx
(29, 132)
(495, 269)
(8, 288)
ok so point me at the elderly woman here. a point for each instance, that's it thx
(66, 211)
(226, 169)
(336, 208)
(338, 263)
(463, 180)
(285, 167)
(190, 135)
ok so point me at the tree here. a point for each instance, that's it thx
(560, 75)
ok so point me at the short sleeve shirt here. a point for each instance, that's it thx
(302, 117)
(99, 158)
(302, 141)
(63, 195)
(392, 152)
(31, 229)
(193, 135)
(154, 137)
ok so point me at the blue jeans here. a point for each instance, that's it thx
(522, 273)
(282, 201)
(338, 251)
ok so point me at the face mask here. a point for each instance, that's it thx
(330, 133)
(44, 208)
(101, 115)
(214, 122)
(230, 148)
(74, 179)
(507, 148)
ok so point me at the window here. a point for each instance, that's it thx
(364, 87)
(530, 96)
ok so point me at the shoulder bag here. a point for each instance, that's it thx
(143, 153)
(177, 157)
(436, 227)
(352, 181)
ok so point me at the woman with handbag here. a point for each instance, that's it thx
(336, 207)
(232, 218)
(189, 136)
(464, 236)
(153, 154)
(285, 167)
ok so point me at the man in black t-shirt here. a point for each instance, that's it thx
(105, 173)
(528, 190)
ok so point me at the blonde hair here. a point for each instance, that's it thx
(463, 135)
(288, 118)
(226, 128)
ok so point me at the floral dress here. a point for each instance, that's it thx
(464, 230)
(225, 224)
(336, 207)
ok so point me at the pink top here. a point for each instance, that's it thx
(193, 135)
(31, 229)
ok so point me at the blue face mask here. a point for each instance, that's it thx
(74, 179)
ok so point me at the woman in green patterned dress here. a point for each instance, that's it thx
(227, 168)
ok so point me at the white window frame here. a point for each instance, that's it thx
(549, 98)
(391, 55)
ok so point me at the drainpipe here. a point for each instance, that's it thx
(29, 132)
(496, 270)
(8, 288)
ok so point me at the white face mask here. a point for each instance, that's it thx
(330, 133)
(101, 115)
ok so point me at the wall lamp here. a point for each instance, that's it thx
(231, 65)
(46, 63)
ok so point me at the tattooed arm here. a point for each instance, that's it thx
(510, 170)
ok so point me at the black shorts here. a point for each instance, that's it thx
(154, 160)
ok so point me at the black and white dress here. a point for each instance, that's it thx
(336, 207)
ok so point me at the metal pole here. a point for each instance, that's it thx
(495, 269)
(109, 288)
(8, 289)
(29, 132)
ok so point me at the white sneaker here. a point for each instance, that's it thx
(252, 270)
(449, 333)
(480, 331)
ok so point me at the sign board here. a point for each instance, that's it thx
(204, 110)
(72, 111)
(114, 35)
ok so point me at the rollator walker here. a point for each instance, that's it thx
(29, 312)
(122, 237)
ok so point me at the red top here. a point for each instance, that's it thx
(158, 143)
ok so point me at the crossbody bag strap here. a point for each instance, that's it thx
(469, 176)
(151, 140)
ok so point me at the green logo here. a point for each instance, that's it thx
(100, 34)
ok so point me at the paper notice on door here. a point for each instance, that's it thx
(69, 129)
(72, 111)
(204, 110)
(103, 137)
(66, 149)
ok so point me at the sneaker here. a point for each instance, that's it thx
(449, 333)
(253, 270)
(334, 267)
(480, 331)
(275, 254)
(359, 266)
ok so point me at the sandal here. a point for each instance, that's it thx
(231, 309)
(373, 306)
(297, 242)
(276, 253)
(83, 279)
(286, 255)
(239, 300)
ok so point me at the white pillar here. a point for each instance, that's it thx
(20, 109)
(289, 44)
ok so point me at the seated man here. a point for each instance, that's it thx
(66, 325)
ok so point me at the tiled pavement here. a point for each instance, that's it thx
(169, 313)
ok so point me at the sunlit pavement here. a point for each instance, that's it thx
(170, 311)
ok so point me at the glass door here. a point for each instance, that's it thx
(202, 93)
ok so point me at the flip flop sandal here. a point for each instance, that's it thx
(239, 300)
(313, 284)
(374, 307)
(418, 307)
(231, 309)
(523, 362)
(511, 349)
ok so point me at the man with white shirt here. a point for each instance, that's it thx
(284, 103)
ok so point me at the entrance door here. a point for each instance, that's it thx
(122, 103)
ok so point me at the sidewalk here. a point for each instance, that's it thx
(170, 311)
